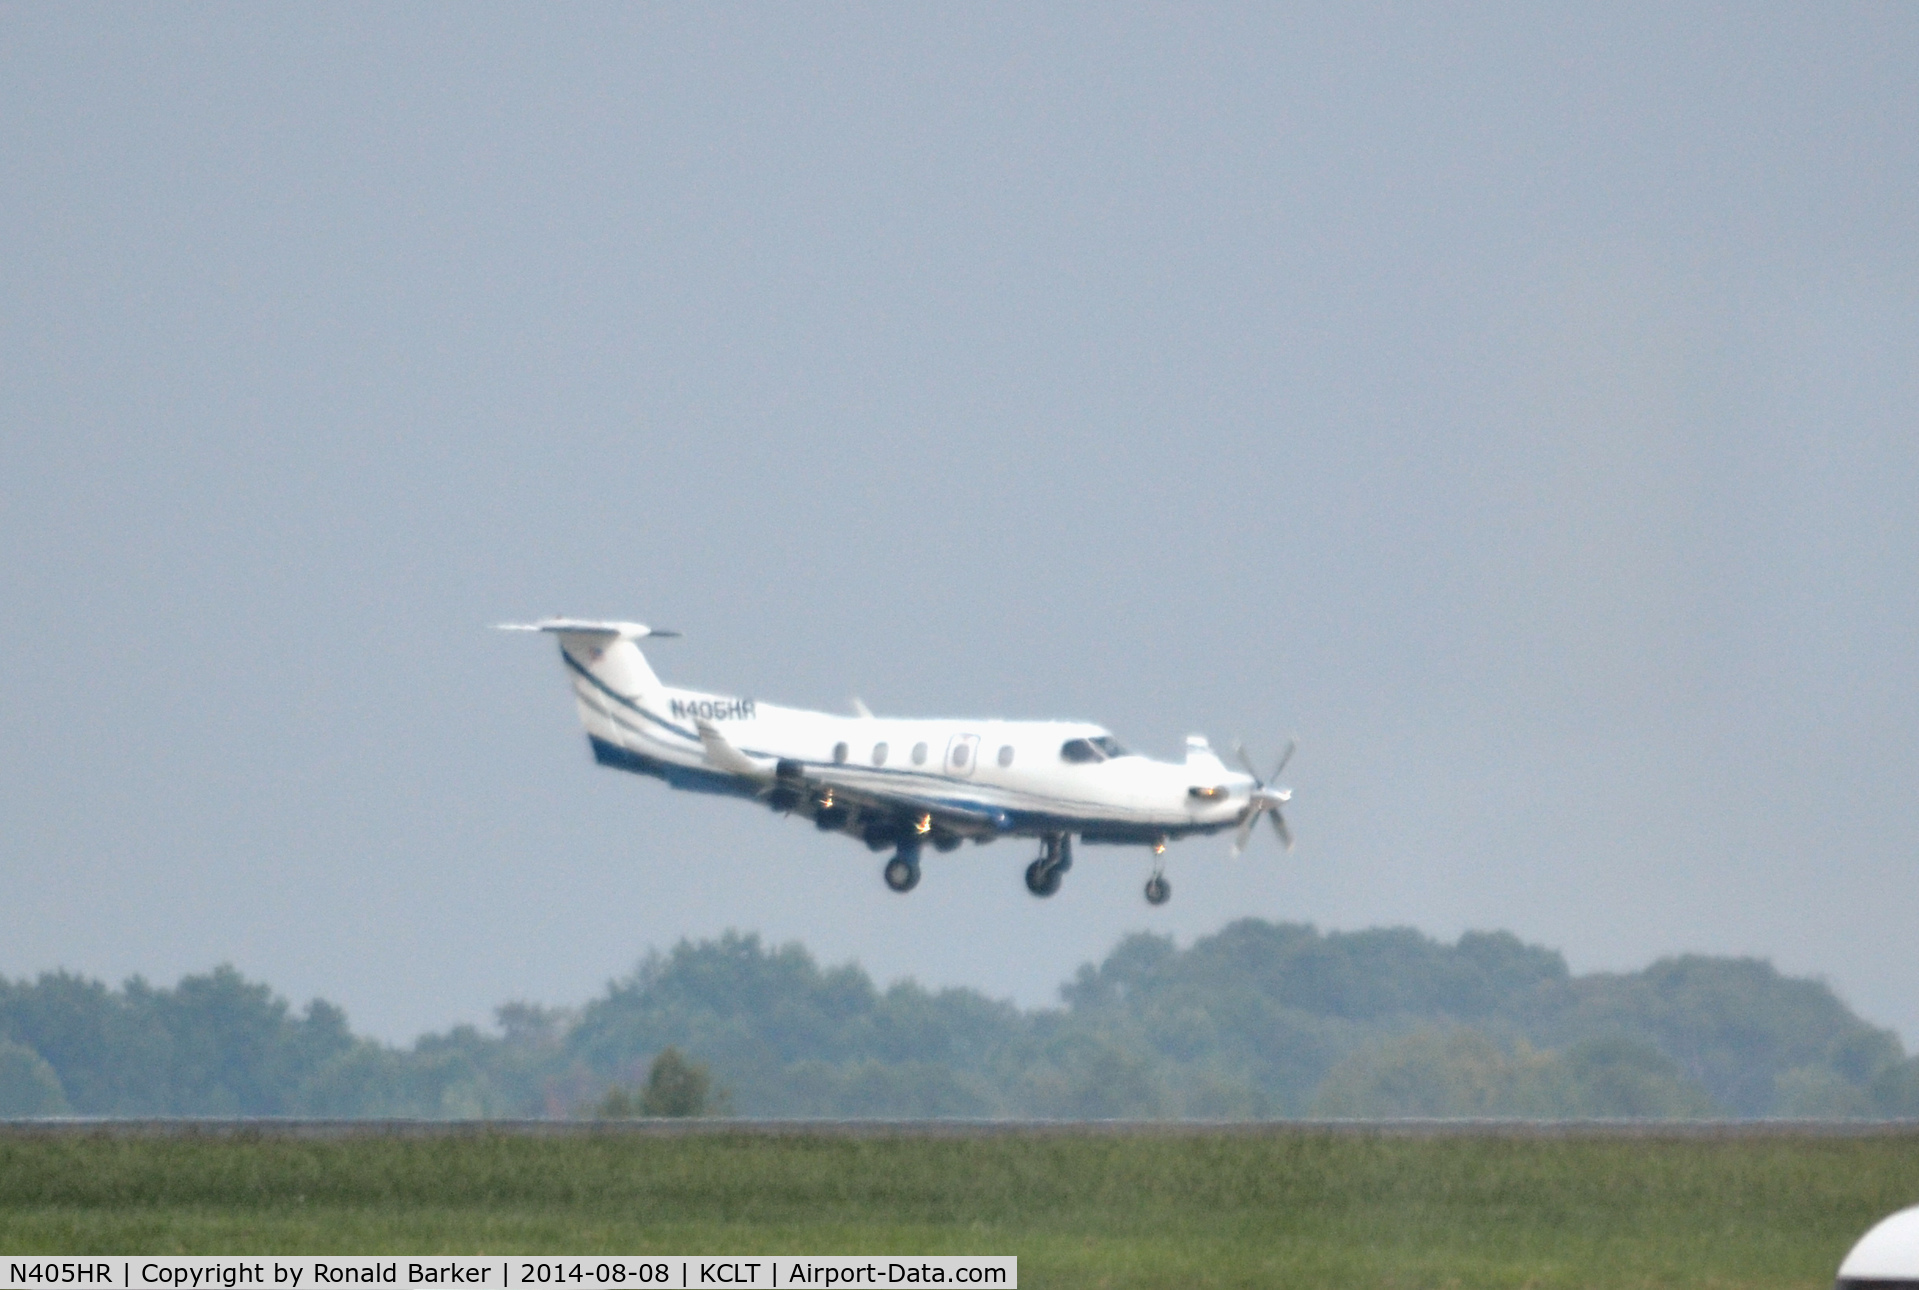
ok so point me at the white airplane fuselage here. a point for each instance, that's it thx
(895, 781)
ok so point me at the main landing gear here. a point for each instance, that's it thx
(902, 872)
(1043, 875)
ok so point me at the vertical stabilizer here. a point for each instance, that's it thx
(611, 678)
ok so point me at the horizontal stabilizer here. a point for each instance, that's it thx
(588, 627)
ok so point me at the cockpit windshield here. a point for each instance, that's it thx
(1098, 748)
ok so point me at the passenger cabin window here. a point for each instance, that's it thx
(839, 752)
(879, 754)
(960, 753)
(919, 754)
(1006, 755)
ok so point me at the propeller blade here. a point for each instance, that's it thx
(1279, 827)
(1264, 800)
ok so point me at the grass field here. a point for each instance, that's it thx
(1292, 1207)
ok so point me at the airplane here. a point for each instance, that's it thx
(906, 783)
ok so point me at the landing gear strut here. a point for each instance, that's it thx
(1043, 875)
(1158, 890)
(902, 872)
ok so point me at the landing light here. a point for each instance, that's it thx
(1206, 794)
(924, 824)
(1159, 847)
(826, 800)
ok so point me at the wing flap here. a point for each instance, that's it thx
(961, 818)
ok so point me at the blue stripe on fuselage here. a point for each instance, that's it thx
(1031, 823)
(690, 778)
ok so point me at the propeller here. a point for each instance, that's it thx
(1265, 800)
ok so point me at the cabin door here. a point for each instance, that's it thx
(961, 754)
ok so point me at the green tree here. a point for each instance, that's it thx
(1449, 1074)
(234, 1048)
(675, 1087)
(1466, 1073)
(792, 1038)
(1621, 1078)
(618, 1104)
(215, 1044)
(110, 1061)
(28, 1086)
(1735, 1026)
(1895, 1089)
(1258, 1020)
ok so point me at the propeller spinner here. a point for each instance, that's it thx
(1265, 800)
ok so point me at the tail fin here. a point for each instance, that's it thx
(605, 655)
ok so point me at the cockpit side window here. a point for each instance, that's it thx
(1109, 745)
(1079, 750)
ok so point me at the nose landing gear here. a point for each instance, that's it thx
(1043, 875)
(1158, 890)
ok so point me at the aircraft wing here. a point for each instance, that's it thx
(959, 817)
(724, 756)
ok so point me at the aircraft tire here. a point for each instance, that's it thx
(1042, 879)
(1158, 890)
(901, 875)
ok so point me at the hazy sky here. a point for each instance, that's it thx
(1520, 406)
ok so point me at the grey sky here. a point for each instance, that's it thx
(1518, 406)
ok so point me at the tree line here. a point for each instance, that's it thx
(1260, 1020)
